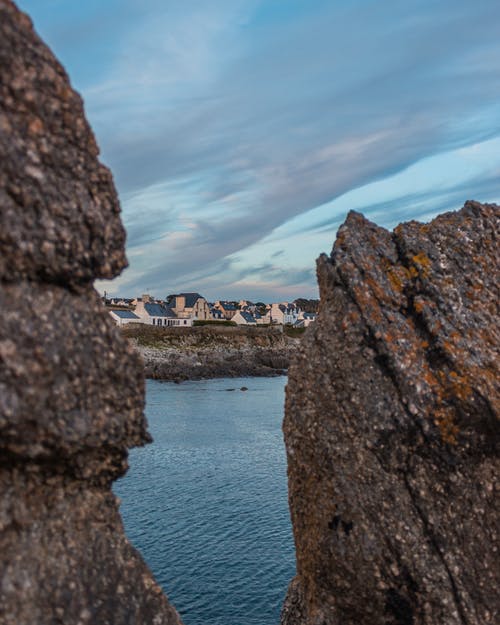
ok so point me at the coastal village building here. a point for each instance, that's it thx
(253, 309)
(120, 301)
(244, 318)
(186, 308)
(122, 317)
(190, 306)
(305, 320)
(183, 309)
(245, 303)
(248, 318)
(156, 314)
(216, 314)
(277, 313)
(284, 313)
(261, 319)
(227, 309)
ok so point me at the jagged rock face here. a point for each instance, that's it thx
(391, 428)
(71, 389)
(60, 215)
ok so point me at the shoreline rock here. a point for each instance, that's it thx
(71, 389)
(392, 405)
(180, 354)
(392, 428)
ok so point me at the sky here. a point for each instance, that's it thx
(241, 132)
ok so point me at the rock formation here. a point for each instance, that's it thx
(391, 428)
(71, 389)
(391, 414)
(211, 351)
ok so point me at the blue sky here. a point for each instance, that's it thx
(240, 132)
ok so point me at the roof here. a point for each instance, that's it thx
(125, 314)
(248, 317)
(158, 310)
(191, 298)
(228, 306)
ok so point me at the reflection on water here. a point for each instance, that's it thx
(206, 503)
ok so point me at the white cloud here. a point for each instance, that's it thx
(222, 128)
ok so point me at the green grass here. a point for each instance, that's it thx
(212, 322)
(190, 337)
(293, 332)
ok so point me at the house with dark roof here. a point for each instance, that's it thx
(284, 313)
(216, 314)
(261, 319)
(190, 306)
(122, 317)
(228, 309)
(305, 319)
(245, 303)
(244, 318)
(158, 314)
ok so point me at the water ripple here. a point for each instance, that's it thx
(206, 503)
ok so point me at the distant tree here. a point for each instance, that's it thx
(307, 305)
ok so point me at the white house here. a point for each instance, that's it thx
(244, 318)
(305, 319)
(120, 301)
(284, 313)
(122, 317)
(277, 313)
(153, 313)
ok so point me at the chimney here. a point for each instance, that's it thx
(180, 302)
(146, 298)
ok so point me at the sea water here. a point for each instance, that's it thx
(206, 503)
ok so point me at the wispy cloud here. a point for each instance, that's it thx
(223, 121)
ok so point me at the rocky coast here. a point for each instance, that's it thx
(392, 403)
(179, 354)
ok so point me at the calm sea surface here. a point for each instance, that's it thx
(206, 503)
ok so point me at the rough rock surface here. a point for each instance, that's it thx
(71, 389)
(69, 230)
(211, 352)
(391, 428)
